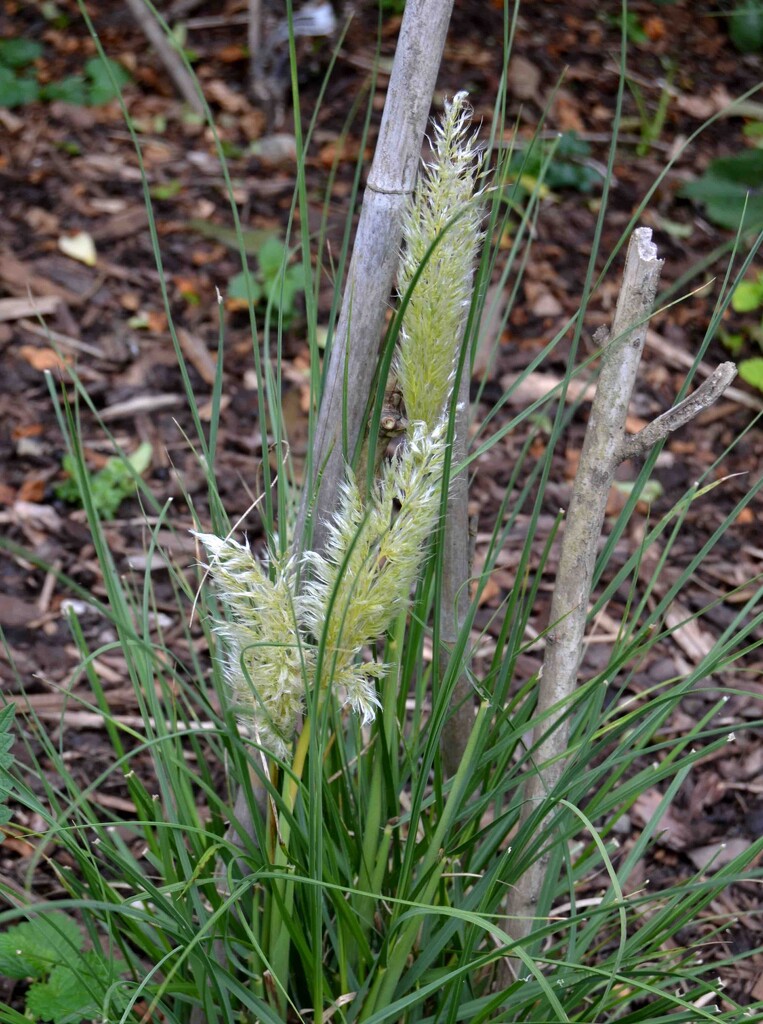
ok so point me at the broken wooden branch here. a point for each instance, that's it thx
(604, 448)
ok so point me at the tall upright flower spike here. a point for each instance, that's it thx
(266, 661)
(445, 218)
(374, 550)
(373, 556)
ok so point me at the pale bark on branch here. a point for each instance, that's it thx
(374, 260)
(605, 446)
(181, 77)
(370, 280)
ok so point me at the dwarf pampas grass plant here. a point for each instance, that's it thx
(358, 586)
(277, 636)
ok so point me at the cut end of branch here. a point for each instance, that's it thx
(647, 250)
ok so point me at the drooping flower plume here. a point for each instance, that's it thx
(267, 661)
(373, 556)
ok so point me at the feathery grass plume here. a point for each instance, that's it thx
(373, 556)
(266, 661)
(443, 214)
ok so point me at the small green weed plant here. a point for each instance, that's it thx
(555, 164)
(746, 298)
(108, 487)
(652, 123)
(67, 983)
(19, 84)
(730, 190)
(274, 282)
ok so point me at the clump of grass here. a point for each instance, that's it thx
(371, 887)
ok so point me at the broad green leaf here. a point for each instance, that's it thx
(746, 26)
(18, 53)
(140, 459)
(74, 991)
(253, 238)
(271, 257)
(283, 293)
(33, 948)
(731, 188)
(15, 91)
(751, 371)
(69, 90)
(168, 190)
(733, 343)
(237, 288)
(107, 79)
(747, 296)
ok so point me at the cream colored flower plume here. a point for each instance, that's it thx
(267, 662)
(441, 235)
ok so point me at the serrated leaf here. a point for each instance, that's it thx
(32, 949)
(73, 992)
(6, 718)
(751, 371)
(6, 742)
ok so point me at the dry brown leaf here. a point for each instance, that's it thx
(206, 408)
(566, 112)
(15, 613)
(717, 855)
(655, 28)
(490, 590)
(523, 79)
(42, 358)
(32, 490)
(695, 642)
(34, 515)
(231, 101)
(670, 831)
(198, 354)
